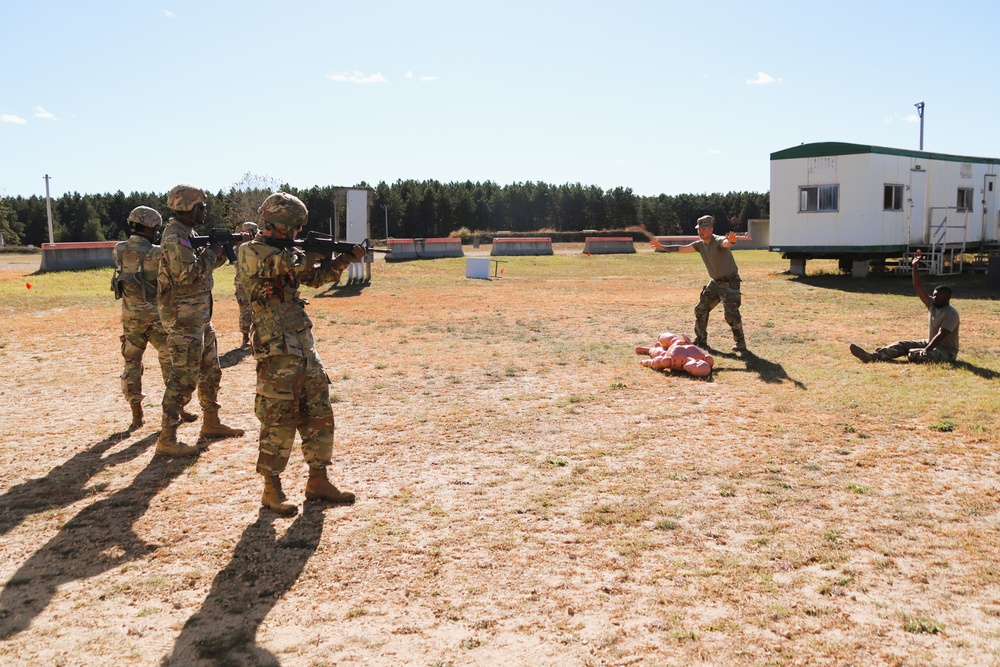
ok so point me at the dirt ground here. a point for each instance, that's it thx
(528, 494)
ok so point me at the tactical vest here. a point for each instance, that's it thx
(167, 287)
(130, 279)
(276, 308)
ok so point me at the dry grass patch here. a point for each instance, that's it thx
(527, 492)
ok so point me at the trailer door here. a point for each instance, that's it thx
(991, 223)
(918, 207)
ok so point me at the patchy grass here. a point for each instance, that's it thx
(527, 492)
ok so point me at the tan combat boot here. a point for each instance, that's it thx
(136, 416)
(167, 443)
(187, 416)
(319, 488)
(275, 499)
(211, 427)
(246, 341)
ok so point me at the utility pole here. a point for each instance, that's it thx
(920, 112)
(48, 208)
(385, 207)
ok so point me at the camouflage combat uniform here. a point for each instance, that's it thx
(292, 387)
(185, 304)
(243, 301)
(136, 262)
(724, 286)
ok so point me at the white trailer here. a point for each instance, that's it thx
(859, 203)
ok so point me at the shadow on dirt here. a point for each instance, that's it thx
(234, 356)
(262, 570)
(341, 291)
(94, 541)
(985, 373)
(769, 371)
(65, 483)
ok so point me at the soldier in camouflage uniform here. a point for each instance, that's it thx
(292, 388)
(134, 282)
(241, 295)
(184, 282)
(724, 285)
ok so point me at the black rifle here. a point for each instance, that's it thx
(224, 237)
(323, 244)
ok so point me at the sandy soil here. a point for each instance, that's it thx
(527, 495)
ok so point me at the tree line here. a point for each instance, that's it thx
(410, 209)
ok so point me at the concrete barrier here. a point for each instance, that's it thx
(423, 248)
(522, 246)
(76, 256)
(608, 245)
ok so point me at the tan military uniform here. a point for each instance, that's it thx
(134, 282)
(723, 287)
(293, 391)
(184, 282)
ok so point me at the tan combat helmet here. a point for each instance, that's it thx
(249, 227)
(185, 197)
(144, 216)
(283, 210)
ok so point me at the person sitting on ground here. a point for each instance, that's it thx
(942, 341)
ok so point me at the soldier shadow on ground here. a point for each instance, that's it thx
(340, 291)
(985, 373)
(234, 356)
(263, 568)
(64, 484)
(96, 540)
(768, 371)
(965, 286)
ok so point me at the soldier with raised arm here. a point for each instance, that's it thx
(941, 343)
(293, 392)
(134, 282)
(184, 283)
(724, 286)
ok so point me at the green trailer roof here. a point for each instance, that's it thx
(832, 148)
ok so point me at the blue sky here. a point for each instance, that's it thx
(661, 97)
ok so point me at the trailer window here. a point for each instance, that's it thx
(964, 199)
(892, 200)
(819, 198)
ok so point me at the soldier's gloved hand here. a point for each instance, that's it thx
(358, 253)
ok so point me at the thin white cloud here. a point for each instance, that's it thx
(11, 118)
(169, 14)
(409, 74)
(357, 77)
(714, 151)
(42, 113)
(762, 79)
(912, 118)
(428, 78)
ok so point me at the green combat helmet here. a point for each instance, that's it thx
(144, 216)
(283, 210)
(185, 197)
